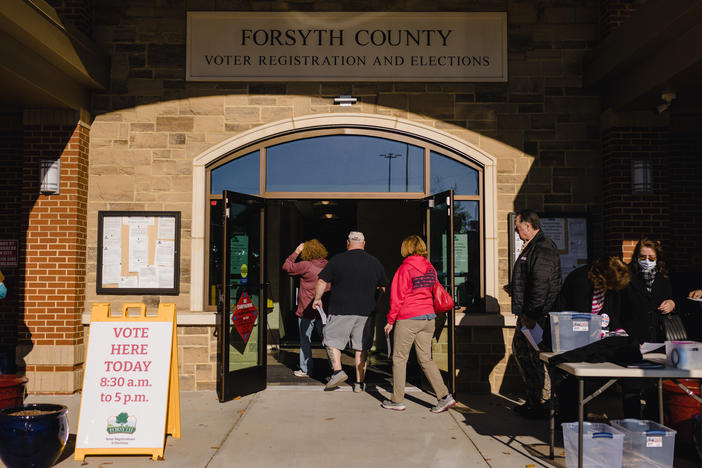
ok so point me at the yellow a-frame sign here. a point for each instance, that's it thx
(131, 398)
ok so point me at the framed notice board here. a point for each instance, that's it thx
(567, 231)
(138, 252)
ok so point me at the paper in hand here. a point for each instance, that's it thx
(534, 336)
(322, 315)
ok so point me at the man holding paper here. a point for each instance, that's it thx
(536, 282)
(355, 275)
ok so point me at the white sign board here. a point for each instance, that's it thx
(346, 46)
(125, 388)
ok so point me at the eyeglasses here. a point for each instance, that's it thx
(650, 257)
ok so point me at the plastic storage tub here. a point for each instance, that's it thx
(602, 445)
(570, 330)
(646, 444)
(684, 354)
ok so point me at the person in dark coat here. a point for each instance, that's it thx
(597, 289)
(650, 298)
(650, 294)
(536, 282)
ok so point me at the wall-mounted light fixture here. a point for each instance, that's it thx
(345, 100)
(50, 176)
(641, 176)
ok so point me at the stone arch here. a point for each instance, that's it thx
(489, 163)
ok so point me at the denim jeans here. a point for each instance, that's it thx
(306, 325)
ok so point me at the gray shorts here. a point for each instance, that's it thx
(342, 329)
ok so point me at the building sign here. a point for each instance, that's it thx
(8, 253)
(345, 46)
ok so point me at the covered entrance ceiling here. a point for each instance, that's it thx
(654, 52)
(46, 63)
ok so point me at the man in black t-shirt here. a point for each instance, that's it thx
(355, 276)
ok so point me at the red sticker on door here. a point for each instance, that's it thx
(244, 317)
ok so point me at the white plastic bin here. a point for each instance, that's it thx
(602, 445)
(646, 444)
(570, 330)
(684, 354)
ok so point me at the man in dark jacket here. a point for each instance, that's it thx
(536, 282)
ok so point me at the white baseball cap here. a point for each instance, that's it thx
(356, 236)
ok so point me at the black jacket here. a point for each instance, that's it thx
(576, 296)
(644, 305)
(536, 278)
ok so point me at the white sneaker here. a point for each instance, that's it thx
(444, 404)
(335, 380)
(299, 373)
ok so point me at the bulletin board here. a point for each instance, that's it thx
(138, 252)
(568, 232)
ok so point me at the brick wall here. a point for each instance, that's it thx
(685, 163)
(10, 200)
(615, 12)
(77, 13)
(628, 216)
(54, 244)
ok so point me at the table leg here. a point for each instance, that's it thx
(551, 423)
(581, 414)
(660, 400)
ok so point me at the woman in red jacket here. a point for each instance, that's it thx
(412, 316)
(313, 256)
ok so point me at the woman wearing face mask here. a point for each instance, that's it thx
(649, 297)
(650, 291)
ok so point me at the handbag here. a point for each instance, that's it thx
(673, 327)
(443, 301)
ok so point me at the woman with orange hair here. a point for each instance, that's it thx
(313, 255)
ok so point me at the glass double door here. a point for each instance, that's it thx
(241, 308)
(242, 298)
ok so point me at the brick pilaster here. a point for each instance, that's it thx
(51, 334)
(628, 216)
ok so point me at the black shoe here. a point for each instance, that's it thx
(528, 411)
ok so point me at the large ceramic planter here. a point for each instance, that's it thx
(32, 435)
(11, 390)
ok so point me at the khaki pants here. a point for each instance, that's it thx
(419, 333)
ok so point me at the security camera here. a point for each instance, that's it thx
(663, 107)
(667, 97)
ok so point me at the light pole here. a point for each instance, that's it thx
(389, 157)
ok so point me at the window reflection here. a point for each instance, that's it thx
(239, 175)
(447, 173)
(344, 163)
(466, 252)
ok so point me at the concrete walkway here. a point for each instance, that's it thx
(307, 427)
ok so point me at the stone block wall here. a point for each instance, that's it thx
(197, 357)
(541, 126)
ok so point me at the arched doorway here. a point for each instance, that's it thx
(364, 167)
